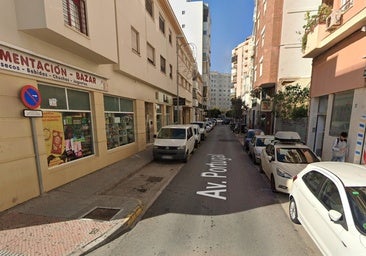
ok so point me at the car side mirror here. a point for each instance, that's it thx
(334, 215)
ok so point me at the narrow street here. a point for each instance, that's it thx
(218, 204)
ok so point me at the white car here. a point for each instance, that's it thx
(284, 158)
(174, 142)
(257, 144)
(197, 135)
(329, 200)
(203, 131)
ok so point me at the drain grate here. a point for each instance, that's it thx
(154, 179)
(101, 213)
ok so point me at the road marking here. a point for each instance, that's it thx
(217, 169)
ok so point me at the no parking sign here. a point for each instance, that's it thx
(30, 97)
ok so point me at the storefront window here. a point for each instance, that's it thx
(341, 113)
(119, 121)
(67, 125)
(167, 115)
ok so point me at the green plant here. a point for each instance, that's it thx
(324, 10)
(292, 102)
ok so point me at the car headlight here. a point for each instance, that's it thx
(181, 147)
(283, 174)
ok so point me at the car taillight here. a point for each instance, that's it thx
(294, 178)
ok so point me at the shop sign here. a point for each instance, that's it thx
(29, 64)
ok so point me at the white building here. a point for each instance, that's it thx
(195, 21)
(220, 91)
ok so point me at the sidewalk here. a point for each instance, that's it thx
(75, 218)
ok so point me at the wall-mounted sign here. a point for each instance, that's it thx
(25, 63)
(30, 97)
(32, 113)
(266, 105)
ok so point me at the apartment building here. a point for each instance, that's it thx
(195, 21)
(336, 44)
(278, 52)
(242, 60)
(220, 91)
(84, 84)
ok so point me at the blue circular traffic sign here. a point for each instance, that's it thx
(30, 96)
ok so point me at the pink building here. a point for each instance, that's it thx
(337, 45)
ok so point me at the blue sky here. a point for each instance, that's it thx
(232, 23)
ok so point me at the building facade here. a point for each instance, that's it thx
(220, 91)
(76, 97)
(337, 47)
(242, 60)
(195, 21)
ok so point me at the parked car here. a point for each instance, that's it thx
(174, 142)
(197, 135)
(257, 144)
(329, 200)
(203, 131)
(249, 135)
(284, 158)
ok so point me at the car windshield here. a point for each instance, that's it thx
(357, 200)
(200, 124)
(170, 133)
(296, 155)
(262, 142)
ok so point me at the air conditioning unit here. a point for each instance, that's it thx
(334, 20)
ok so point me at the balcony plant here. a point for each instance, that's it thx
(324, 10)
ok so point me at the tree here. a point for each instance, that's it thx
(292, 102)
(213, 113)
(237, 108)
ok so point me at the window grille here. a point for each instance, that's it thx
(75, 15)
(149, 7)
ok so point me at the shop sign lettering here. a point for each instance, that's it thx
(217, 173)
(25, 63)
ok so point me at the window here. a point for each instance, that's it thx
(341, 113)
(170, 71)
(119, 121)
(162, 24)
(150, 54)
(75, 15)
(149, 7)
(162, 64)
(183, 12)
(170, 36)
(135, 40)
(67, 126)
(314, 181)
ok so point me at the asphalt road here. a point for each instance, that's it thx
(217, 204)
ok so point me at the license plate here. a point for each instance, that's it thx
(166, 157)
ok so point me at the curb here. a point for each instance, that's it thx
(121, 227)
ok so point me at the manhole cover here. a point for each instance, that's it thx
(154, 179)
(101, 213)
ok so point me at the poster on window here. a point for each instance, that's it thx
(53, 137)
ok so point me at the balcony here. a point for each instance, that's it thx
(337, 26)
(44, 19)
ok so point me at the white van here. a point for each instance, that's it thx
(174, 142)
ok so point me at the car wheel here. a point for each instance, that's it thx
(292, 210)
(273, 184)
(185, 160)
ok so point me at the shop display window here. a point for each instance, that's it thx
(119, 121)
(67, 125)
(341, 113)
